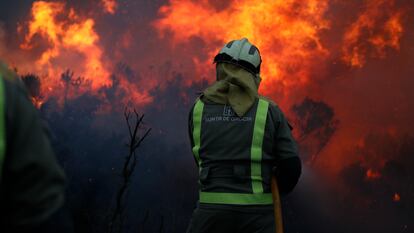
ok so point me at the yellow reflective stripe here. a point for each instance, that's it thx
(256, 149)
(257, 197)
(2, 126)
(197, 118)
(236, 198)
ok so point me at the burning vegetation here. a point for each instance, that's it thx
(374, 31)
(339, 69)
(287, 33)
(69, 38)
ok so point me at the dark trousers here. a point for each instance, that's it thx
(231, 221)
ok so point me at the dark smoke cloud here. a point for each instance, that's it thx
(89, 145)
(90, 142)
(32, 82)
(374, 199)
(316, 123)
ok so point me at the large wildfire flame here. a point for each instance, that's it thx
(326, 67)
(70, 41)
(376, 27)
(291, 36)
(286, 32)
(70, 38)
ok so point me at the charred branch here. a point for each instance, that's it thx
(134, 124)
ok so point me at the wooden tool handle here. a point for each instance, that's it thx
(277, 206)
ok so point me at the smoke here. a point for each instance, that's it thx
(316, 124)
(387, 198)
(340, 70)
(89, 132)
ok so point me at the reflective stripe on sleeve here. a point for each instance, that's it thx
(197, 118)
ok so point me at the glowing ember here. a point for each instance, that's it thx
(110, 6)
(372, 175)
(396, 197)
(375, 29)
(37, 102)
(71, 40)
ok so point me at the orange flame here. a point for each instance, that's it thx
(71, 39)
(110, 6)
(286, 32)
(378, 27)
(372, 175)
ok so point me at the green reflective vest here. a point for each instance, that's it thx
(234, 168)
(2, 125)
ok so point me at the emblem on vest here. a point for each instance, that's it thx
(228, 111)
(228, 116)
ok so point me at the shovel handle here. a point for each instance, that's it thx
(277, 206)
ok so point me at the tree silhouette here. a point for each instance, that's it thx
(134, 124)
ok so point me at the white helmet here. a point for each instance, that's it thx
(241, 53)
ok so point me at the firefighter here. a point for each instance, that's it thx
(32, 183)
(239, 140)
